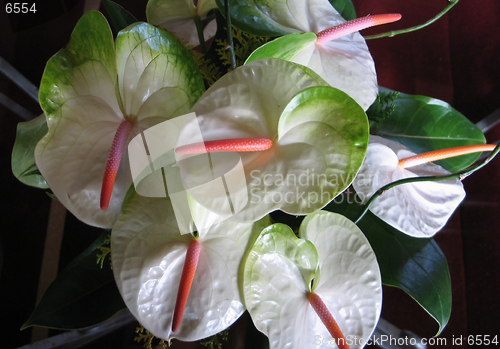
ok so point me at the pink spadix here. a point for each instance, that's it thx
(355, 25)
(326, 317)
(113, 163)
(224, 145)
(188, 272)
(442, 154)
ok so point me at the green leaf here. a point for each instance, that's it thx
(423, 124)
(281, 17)
(250, 17)
(120, 18)
(23, 154)
(285, 47)
(82, 295)
(345, 8)
(416, 265)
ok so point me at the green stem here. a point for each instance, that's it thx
(230, 43)
(412, 29)
(458, 175)
(201, 37)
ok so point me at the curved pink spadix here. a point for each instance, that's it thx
(442, 154)
(326, 317)
(114, 158)
(224, 145)
(190, 264)
(355, 25)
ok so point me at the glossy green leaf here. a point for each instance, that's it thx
(23, 154)
(416, 265)
(148, 259)
(423, 124)
(249, 17)
(345, 8)
(277, 18)
(120, 18)
(82, 295)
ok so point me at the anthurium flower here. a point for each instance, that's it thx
(315, 138)
(182, 17)
(418, 209)
(314, 292)
(96, 98)
(149, 257)
(329, 45)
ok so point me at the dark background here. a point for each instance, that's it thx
(454, 59)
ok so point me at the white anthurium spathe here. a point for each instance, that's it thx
(418, 209)
(318, 134)
(148, 258)
(89, 90)
(181, 17)
(345, 63)
(334, 261)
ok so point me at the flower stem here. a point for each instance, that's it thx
(458, 175)
(230, 44)
(201, 37)
(415, 28)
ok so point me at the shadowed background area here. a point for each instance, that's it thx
(454, 59)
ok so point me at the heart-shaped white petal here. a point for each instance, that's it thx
(319, 137)
(148, 258)
(157, 80)
(350, 282)
(177, 16)
(345, 63)
(279, 271)
(418, 209)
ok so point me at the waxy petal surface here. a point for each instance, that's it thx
(278, 275)
(79, 96)
(350, 282)
(418, 209)
(344, 63)
(319, 133)
(149, 60)
(177, 16)
(148, 258)
(77, 93)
